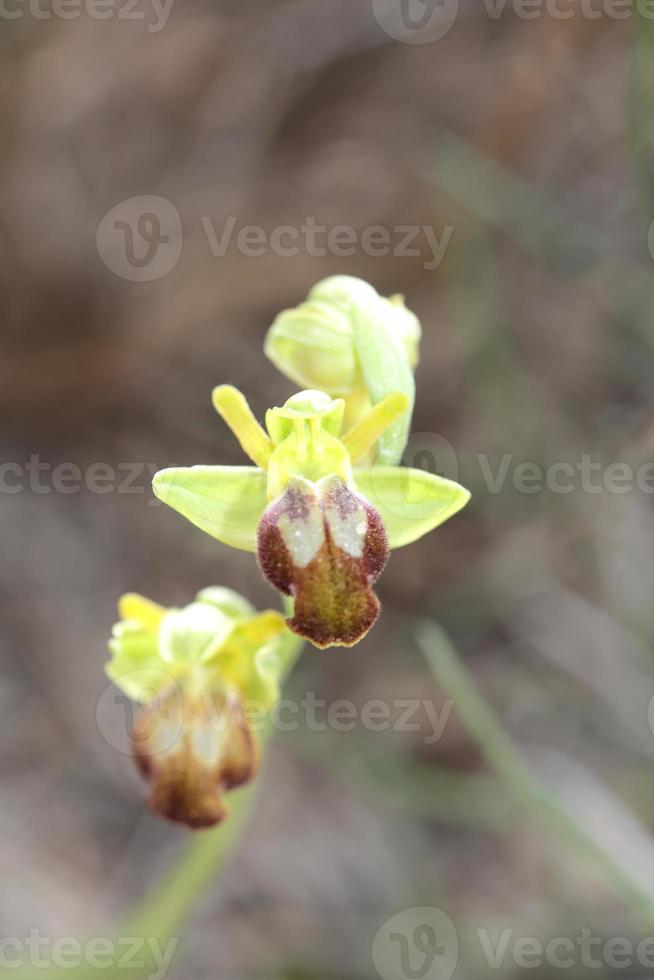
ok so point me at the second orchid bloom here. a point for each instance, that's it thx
(195, 673)
(320, 517)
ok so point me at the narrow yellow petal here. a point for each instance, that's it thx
(233, 408)
(364, 434)
(146, 612)
(263, 628)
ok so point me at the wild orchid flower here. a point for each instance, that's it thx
(192, 670)
(321, 526)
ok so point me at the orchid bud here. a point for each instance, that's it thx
(313, 346)
(349, 341)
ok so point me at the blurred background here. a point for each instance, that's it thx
(524, 145)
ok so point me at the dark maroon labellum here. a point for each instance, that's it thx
(191, 749)
(326, 546)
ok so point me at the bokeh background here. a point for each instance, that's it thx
(531, 139)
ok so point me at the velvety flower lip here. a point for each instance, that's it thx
(320, 521)
(326, 546)
(191, 750)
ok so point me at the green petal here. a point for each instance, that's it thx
(224, 501)
(135, 665)
(232, 603)
(410, 502)
(249, 659)
(141, 684)
(149, 614)
(192, 634)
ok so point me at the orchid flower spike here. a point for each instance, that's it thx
(321, 526)
(191, 671)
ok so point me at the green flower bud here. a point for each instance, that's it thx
(313, 346)
(347, 340)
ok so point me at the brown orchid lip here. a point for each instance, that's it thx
(191, 750)
(326, 546)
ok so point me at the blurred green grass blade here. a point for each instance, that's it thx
(640, 108)
(525, 788)
(563, 244)
(512, 204)
(393, 778)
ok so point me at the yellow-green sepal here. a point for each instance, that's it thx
(145, 611)
(192, 635)
(249, 659)
(217, 643)
(224, 501)
(410, 502)
(227, 600)
(136, 666)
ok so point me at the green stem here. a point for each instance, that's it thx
(639, 106)
(170, 902)
(207, 853)
(158, 921)
(525, 788)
